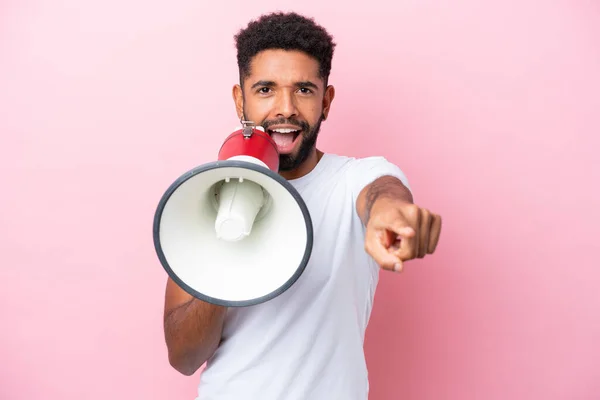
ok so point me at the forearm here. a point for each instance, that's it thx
(192, 333)
(384, 187)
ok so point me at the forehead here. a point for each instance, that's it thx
(284, 67)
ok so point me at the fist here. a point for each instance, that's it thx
(398, 231)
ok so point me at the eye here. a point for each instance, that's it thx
(264, 90)
(305, 90)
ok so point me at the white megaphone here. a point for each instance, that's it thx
(233, 232)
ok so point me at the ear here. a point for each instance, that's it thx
(238, 99)
(327, 100)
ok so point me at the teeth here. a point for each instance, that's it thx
(285, 130)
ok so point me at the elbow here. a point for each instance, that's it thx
(188, 362)
(184, 370)
(184, 365)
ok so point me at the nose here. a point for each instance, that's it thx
(286, 105)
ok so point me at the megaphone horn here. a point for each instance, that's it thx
(234, 232)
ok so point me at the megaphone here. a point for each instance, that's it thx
(234, 232)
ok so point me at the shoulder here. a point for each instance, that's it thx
(361, 172)
(359, 165)
(353, 173)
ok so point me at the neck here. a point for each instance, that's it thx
(308, 165)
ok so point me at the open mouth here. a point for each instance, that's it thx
(290, 132)
(285, 138)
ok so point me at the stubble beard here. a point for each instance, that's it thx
(289, 162)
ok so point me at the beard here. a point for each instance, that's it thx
(289, 162)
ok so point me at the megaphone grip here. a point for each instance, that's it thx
(260, 146)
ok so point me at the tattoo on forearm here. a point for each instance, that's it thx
(385, 186)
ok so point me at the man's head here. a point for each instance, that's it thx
(284, 62)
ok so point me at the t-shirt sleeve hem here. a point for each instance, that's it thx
(367, 170)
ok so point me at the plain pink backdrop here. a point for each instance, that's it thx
(491, 108)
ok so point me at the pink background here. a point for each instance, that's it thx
(491, 109)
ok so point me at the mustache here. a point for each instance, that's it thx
(286, 121)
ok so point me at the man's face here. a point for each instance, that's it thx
(286, 95)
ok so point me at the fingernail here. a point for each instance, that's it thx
(397, 267)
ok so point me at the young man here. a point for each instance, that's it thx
(308, 342)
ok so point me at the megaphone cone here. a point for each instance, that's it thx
(233, 232)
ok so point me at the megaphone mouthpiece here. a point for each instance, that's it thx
(239, 202)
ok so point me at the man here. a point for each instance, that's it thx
(306, 344)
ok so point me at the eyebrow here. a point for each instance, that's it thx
(297, 84)
(263, 83)
(307, 84)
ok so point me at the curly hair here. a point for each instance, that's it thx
(287, 31)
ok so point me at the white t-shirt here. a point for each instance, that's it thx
(307, 343)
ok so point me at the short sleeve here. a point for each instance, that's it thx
(363, 171)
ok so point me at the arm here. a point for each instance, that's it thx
(385, 186)
(192, 329)
(397, 230)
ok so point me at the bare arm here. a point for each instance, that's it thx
(385, 186)
(192, 329)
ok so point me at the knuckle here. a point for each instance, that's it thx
(412, 211)
(426, 215)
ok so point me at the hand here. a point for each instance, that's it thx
(398, 231)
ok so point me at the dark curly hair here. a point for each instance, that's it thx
(287, 31)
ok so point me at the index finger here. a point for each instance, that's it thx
(407, 236)
(376, 248)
